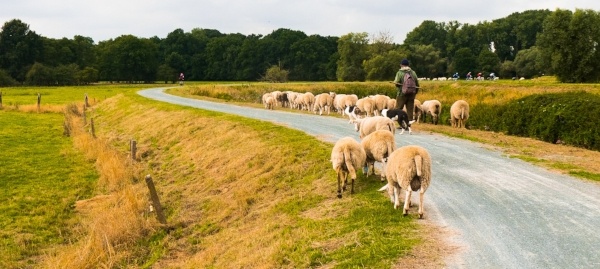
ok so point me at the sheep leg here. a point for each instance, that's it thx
(407, 202)
(339, 180)
(396, 197)
(421, 193)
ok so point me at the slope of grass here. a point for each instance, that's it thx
(231, 184)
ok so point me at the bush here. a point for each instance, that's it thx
(6, 79)
(569, 117)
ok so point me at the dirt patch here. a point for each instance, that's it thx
(435, 250)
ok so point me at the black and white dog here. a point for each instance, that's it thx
(401, 116)
(353, 113)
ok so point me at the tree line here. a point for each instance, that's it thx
(523, 44)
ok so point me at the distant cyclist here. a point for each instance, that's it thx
(181, 78)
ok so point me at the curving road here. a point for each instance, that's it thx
(506, 213)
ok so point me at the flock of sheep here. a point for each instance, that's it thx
(406, 168)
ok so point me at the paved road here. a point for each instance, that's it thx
(506, 213)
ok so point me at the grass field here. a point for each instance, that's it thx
(41, 178)
(228, 185)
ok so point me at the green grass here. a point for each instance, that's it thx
(62, 95)
(41, 176)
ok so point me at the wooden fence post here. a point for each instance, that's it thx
(39, 101)
(84, 118)
(155, 201)
(133, 148)
(92, 130)
(86, 102)
(0, 99)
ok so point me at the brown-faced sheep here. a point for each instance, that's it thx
(347, 156)
(408, 168)
(432, 108)
(368, 125)
(378, 146)
(459, 114)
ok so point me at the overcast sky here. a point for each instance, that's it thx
(105, 19)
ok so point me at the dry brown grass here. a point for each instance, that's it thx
(111, 222)
(34, 108)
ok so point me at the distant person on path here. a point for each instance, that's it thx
(469, 76)
(181, 78)
(407, 99)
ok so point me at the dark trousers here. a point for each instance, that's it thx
(409, 101)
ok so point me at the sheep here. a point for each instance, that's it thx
(270, 102)
(459, 114)
(401, 116)
(391, 103)
(308, 99)
(342, 101)
(433, 108)
(378, 146)
(368, 125)
(380, 103)
(366, 105)
(408, 168)
(418, 111)
(323, 101)
(292, 99)
(283, 100)
(347, 155)
(276, 95)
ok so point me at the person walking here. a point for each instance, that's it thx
(409, 98)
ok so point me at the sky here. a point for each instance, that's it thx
(109, 19)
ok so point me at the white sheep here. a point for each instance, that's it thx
(417, 111)
(408, 168)
(365, 106)
(337, 102)
(347, 156)
(432, 108)
(459, 113)
(308, 100)
(378, 146)
(391, 103)
(323, 102)
(270, 102)
(380, 103)
(368, 125)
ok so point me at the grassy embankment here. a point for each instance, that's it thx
(228, 185)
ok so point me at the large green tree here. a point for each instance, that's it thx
(352, 49)
(384, 66)
(129, 59)
(464, 61)
(569, 42)
(528, 63)
(426, 61)
(488, 62)
(19, 48)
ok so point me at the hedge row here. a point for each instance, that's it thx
(571, 118)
